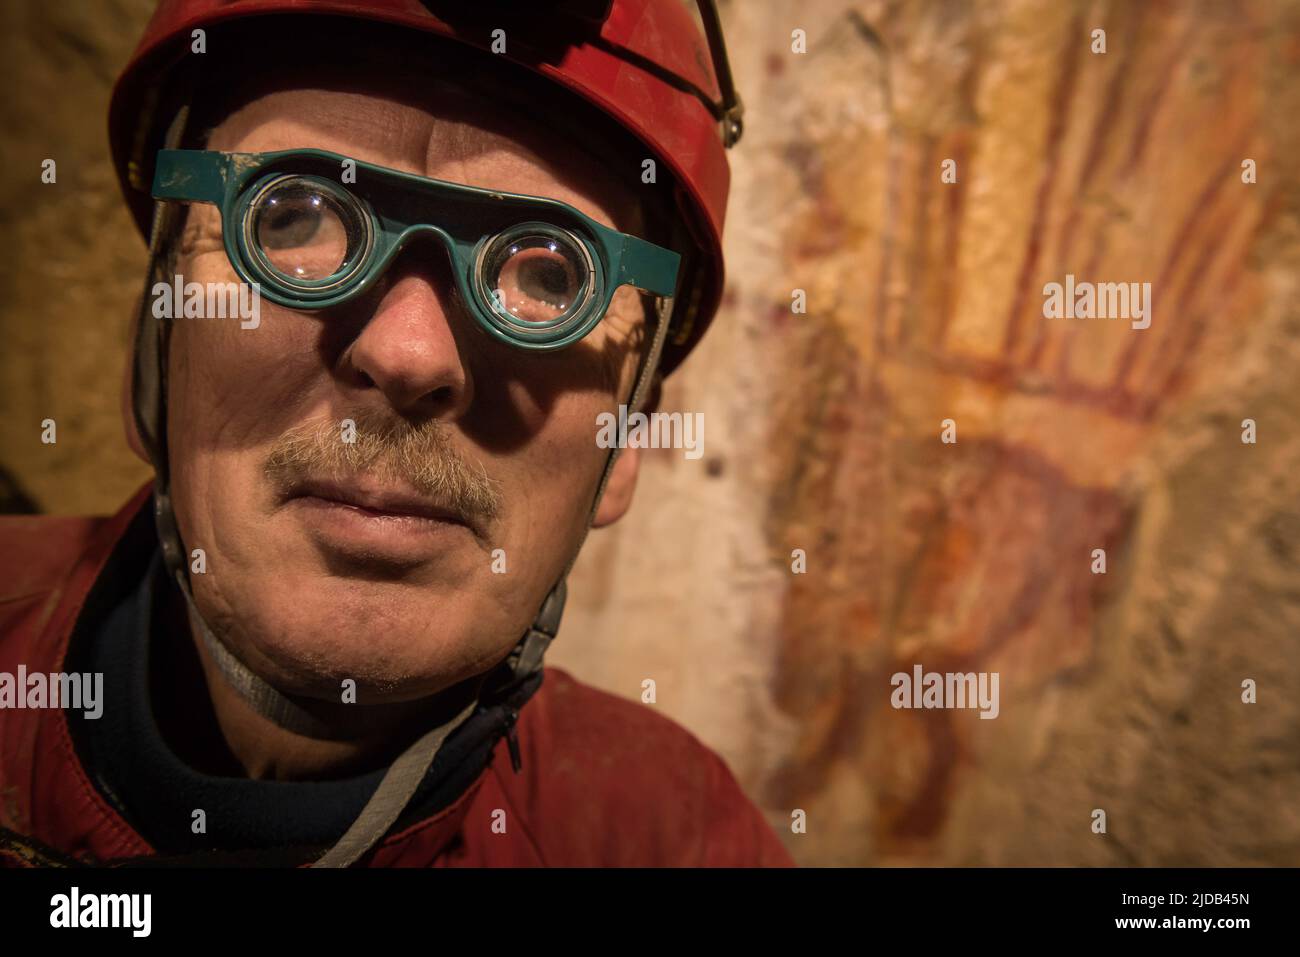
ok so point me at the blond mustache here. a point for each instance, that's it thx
(421, 456)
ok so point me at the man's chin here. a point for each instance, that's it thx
(328, 638)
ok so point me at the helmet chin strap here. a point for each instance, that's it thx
(399, 784)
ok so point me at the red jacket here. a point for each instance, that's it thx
(604, 781)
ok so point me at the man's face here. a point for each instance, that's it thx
(382, 561)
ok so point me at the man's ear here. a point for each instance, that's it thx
(655, 393)
(622, 480)
(618, 490)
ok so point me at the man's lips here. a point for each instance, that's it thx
(374, 500)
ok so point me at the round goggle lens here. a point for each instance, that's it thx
(537, 277)
(307, 231)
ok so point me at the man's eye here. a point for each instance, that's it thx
(535, 278)
(289, 225)
(304, 230)
(548, 280)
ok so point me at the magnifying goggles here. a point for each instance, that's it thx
(535, 272)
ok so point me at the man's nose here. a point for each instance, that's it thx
(408, 350)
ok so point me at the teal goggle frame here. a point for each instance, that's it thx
(535, 272)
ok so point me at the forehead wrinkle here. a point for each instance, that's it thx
(464, 153)
(352, 124)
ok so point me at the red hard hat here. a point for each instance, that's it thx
(647, 67)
